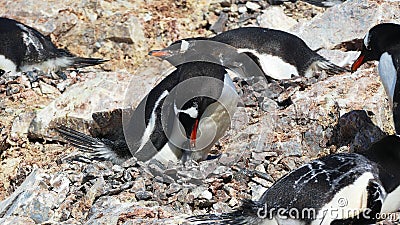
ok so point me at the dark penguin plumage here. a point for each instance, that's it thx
(23, 49)
(382, 43)
(278, 54)
(319, 3)
(175, 121)
(339, 183)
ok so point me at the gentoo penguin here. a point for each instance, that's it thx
(343, 188)
(278, 54)
(382, 42)
(180, 119)
(23, 49)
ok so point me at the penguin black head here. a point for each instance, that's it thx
(190, 114)
(379, 39)
(176, 48)
(183, 51)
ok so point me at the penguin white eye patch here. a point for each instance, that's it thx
(192, 111)
(366, 41)
(184, 46)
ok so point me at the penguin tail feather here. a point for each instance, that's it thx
(83, 62)
(330, 68)
(95, 146)
(325, 3)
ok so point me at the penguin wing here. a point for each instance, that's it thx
(38, 47)
(324, 3)
(144, 129)
(105, 149)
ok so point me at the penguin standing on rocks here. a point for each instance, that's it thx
(278, 54)
(344, 188)
(382, 42)
(180, 119)
(24, 49)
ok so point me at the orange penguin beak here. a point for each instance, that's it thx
(357, 63)
(159, 53)
(194, 134)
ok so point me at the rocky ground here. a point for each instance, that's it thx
(44, 180)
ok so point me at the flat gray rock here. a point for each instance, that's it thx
(101, 91)
(345, 22)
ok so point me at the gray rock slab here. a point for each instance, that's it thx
(102, 91)
(345, 22)
(274, 18)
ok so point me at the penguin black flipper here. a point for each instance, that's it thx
(115, 151)
(324, 3)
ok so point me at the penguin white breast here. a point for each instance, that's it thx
(392, 202)
(388, 75)
(273, 66)
(7, 65)
(168, 153)
(350, 201)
